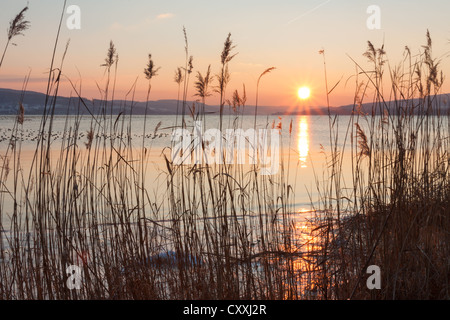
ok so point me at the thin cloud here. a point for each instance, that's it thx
(133, 27)
(308, 12)
(165, 16)
(116, 26)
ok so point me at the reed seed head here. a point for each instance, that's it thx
(203, 82)
(178, 76)
(226, 52)
(21, 115)
(111, 56)
(18, 25)
(150, 71)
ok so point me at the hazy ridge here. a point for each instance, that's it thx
(34, 102)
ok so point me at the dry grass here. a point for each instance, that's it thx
(218, 231)
(90, 207)
(17, 27)
(394, 213)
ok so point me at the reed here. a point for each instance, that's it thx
(17, 26)
(223, 230)
(393, 213)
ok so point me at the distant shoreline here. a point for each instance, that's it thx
(33, 103)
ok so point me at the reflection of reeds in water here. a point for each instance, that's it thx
(219, 231)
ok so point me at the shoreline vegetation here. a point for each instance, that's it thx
(88, 205)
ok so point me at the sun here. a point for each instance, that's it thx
(304, 93)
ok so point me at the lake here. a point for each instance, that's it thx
(110, 193)
(301, 152)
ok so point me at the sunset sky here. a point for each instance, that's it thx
(286, 34)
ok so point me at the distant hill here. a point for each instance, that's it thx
(34, 103)
(443, 101)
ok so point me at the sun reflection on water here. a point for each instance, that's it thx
(305, 252)
(303, 141)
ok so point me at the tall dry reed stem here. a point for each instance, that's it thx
(17, 27)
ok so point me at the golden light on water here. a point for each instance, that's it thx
(303, 141)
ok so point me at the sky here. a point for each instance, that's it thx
(285, 34)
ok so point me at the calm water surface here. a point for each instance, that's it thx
(303, 142)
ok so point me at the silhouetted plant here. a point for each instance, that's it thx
(16, 27)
